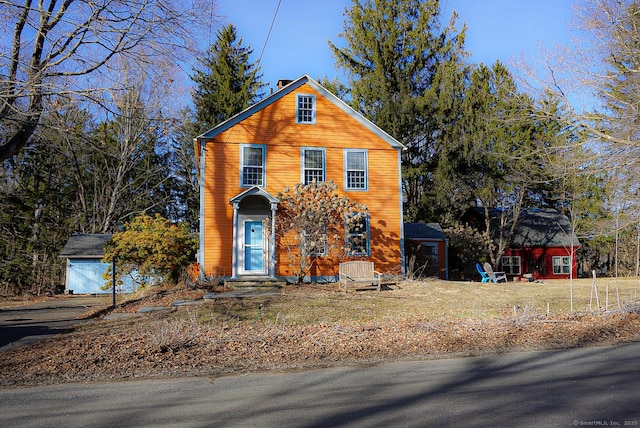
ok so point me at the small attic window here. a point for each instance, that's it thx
(306, 109)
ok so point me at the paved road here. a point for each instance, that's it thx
(580, 387)
(23, 325)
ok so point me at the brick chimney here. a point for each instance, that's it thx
(283, 82)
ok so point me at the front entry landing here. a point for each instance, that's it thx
(253, 247)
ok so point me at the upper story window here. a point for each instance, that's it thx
(306, 109)
(355, 169)
(313, 165)
(252, 160)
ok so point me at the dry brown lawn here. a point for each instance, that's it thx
(319, 325)
(438, 300)
(450, 299)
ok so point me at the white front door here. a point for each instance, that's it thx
(252, 248)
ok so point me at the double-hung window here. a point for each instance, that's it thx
(355, 169)
(306, 109)
(511, 265)
(561, 265)
(429, 251)
(313, 165)
(252, 165)
(357, 234)
(314, 240)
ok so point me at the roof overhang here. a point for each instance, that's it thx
(290, 88)
(254, 191)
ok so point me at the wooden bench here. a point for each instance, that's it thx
(359, 272)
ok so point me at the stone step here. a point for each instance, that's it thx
(242, 293)
(254, 283)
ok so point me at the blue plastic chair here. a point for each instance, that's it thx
(483, 274)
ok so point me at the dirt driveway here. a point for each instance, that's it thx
(23, 325)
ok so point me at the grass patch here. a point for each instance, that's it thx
(437, 300)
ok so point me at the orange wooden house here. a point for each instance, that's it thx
(297, 134)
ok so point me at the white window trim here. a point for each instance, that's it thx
(562, 265)
(313, 108)
(303, 150)
(264, 164)
(366, 170)
(508, 268)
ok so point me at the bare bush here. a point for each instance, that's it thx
(176, 333)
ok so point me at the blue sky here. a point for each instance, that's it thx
(497, 29)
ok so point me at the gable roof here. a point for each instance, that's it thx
(254, 191)
(85, 246)
(538, 227)
(304, 79)
(544, 227)
(423, 231)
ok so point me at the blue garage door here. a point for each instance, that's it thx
(85, 277)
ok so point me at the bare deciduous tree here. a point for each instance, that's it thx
(596, 81)
(57, 46)
(312, 222)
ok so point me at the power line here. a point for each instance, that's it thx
(269, 33)
(446, 5)
(211, 22)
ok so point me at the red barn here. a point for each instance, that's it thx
(543, 245)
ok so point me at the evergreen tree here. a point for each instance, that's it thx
(36, 215)
(227, 82)
(406, 75)
(184, 185)
(496, 162)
